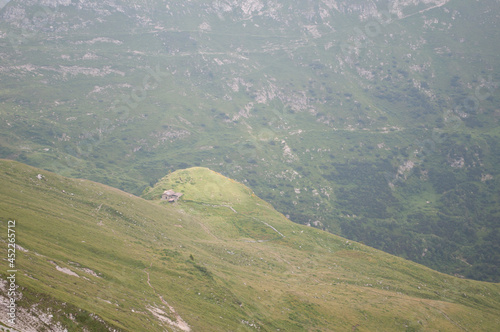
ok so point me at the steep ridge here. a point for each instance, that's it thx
(219, 259)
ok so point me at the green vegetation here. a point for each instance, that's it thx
(220, 259)
(373, 120)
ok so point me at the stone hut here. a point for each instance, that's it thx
(170, 196)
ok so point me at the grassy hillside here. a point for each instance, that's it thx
(220, 259)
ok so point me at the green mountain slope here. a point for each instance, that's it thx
(91, 257)
(375, 120)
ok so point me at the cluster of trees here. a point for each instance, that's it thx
(364, 190)
(457, 234)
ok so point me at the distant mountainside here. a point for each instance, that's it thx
(93, 258)
(374, 120)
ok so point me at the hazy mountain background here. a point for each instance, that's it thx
(374, 120)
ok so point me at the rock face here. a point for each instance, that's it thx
(38, 318)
